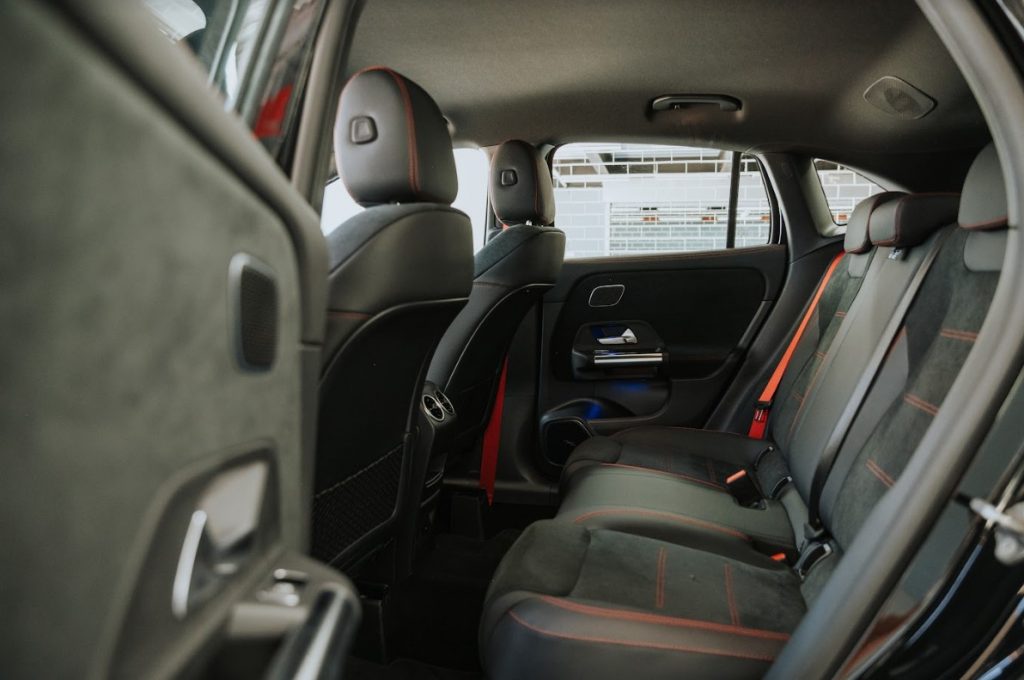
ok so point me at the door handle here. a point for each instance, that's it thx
(318, 648)
(604, 357)
(628, 337)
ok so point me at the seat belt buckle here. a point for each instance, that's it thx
(812, 554)
(743, 487)
(761, 410)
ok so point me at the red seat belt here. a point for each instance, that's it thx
(764, 403)
(492, 438)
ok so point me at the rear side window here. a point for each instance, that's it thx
(844, 189)
(224, 36)
(629, 199)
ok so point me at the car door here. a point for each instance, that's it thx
(162, 306)
(655, 307)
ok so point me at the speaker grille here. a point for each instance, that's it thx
(899, 98)
(257, 314)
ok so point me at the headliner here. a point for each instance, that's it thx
(586, 70)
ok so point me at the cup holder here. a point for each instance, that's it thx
(444, 402)
(433, 407)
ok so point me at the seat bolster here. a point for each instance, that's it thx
(707, 456)
(604, 604)
(542, 637)
(662, 506)
(545, 559)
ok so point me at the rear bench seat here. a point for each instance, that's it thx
(635, 576)
(652, 496)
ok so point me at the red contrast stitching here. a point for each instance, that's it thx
(953, 333)
(680, 475)
(645, 645)
(991, 224)
(659, 579)
(918, 402)
(664, 515)
(711, 471)
(877, 471)
(662, 620)
(414, 174)
(734, 613)
(841, 314)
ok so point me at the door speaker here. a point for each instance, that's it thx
(254, 293)
(899, 98)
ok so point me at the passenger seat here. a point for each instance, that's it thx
(510, 274)
(572, 598)
(399, 273)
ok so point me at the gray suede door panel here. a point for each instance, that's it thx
(124, 392)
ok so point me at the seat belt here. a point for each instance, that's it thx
(492, 438)
(814, 532)
(759, 423)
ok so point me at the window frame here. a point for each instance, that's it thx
(840, 227)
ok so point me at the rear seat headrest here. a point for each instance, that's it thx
(391, 141)
(910, 219)
(984, 197)
(858, 235)
(520, 185)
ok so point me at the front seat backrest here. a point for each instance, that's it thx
(511, 273)
(399, 273)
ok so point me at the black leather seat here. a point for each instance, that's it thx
(399, 273)
(511, 272)
(686, 589)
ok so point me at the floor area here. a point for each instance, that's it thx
(437, 610)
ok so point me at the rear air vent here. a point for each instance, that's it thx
(433, 407)
(444, 403)
(255, 301)
(899, 98)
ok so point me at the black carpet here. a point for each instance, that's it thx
(437, 610)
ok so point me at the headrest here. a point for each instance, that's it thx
(910, 219)
(392, 143)
(858, 237)
(521, 188)
(984, 197)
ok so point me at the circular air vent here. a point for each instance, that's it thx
(444, 402)
(433, 407)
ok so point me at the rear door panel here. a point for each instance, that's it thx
(154, 393)
(704, 310)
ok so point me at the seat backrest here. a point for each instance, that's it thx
(399, 273)
(510, 274)
(837, 298)
(938, 332)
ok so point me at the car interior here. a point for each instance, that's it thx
(391, 339)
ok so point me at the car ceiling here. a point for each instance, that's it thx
(587, 70)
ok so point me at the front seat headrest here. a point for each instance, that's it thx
(521, 188)
(858, 227)
(984, 197)
(909, 220)
(391, 142)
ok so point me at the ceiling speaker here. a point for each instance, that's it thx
(899, 98)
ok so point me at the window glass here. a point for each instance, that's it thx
(471, 168)
(620, 199)
(221, 34)
(844, 188)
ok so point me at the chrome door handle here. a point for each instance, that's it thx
(628, 337)
(612, 358)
